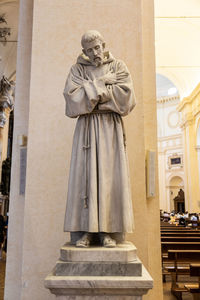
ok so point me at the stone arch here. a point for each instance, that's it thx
(163, 84)
(180, 84)
(175, 183)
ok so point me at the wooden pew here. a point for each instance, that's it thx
(194, 289)
(182, 259)
(193, 225)
(187, 239)
(183, 238)
(176, 228)
(180, 233)
(179, 228)
(166, 224)
(166, 246)
(167, 264)
(177, 238)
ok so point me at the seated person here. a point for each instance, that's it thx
(193, 218)
(172, 219)
(182, 221)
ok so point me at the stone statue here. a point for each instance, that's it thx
(6, 98)
(98, 91)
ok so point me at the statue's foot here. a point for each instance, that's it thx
(108, 242)
(84, 241)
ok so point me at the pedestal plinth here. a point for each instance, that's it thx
(99, 273)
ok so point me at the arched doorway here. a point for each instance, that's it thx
(177, 198)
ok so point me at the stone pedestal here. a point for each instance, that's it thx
(99, 273)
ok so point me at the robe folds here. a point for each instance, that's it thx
(99, 197)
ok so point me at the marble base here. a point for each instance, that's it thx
(99, 273)
(125, 252)
(98, 268)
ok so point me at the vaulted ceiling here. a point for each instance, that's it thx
(177, 42)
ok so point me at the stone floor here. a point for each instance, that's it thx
(166, 286)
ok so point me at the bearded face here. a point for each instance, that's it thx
(95, 51)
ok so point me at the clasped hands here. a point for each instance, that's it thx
(108, 78)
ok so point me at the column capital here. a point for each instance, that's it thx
(187, 120)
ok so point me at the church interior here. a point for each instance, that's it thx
(159, 41)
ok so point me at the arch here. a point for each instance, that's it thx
(177, 81)
(176, 180)
(176, 184)
(176, 174)
(164, 85)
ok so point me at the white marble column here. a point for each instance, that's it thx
(14, 281)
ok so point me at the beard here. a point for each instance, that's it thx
(98, 61)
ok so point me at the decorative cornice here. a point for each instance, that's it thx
(189, 99)
(170, 137)
(167, 99)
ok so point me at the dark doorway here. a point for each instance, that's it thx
(179, 202)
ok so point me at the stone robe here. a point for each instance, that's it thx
(99, 198)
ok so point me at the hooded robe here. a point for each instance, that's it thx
(99, 197)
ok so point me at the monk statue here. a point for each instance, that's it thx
(99, 92)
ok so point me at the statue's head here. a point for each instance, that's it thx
(93, 46)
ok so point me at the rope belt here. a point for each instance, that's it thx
(97, 111)
(87, 145)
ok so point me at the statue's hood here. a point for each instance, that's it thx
(84, 60)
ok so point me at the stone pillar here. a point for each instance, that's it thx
(46, 52)
(189, 107)
(14, 283)
(192, 175)
(150, 143)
